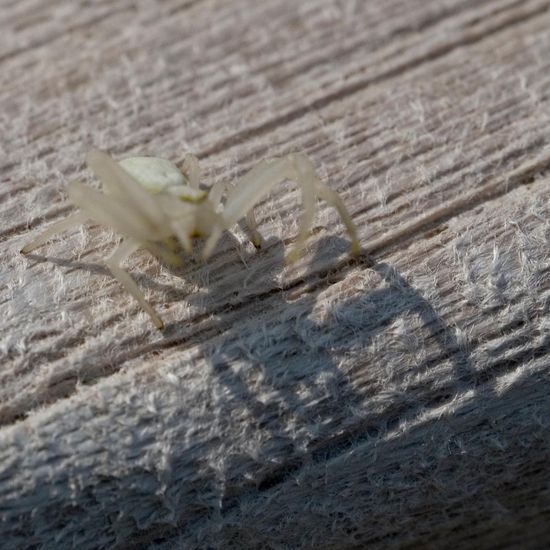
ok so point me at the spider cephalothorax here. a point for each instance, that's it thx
(155, 206)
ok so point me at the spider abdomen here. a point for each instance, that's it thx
(160, 176)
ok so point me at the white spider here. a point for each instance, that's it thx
(155, 206)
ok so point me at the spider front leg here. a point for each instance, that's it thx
(191, 169)
(298, 168)
(69, 222)
(252, 226)
(215, 196)
(123, 252)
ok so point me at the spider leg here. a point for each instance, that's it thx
(124, 250)
(252, 226)
(252, 187)
(50, 231)
(111, 211)
(332, 198)
(262, 178)
(215, 196)
(124, 187)
(163, 252)
(181, 231)
(216, 193)
(192, 170)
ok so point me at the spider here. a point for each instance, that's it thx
(156, 206)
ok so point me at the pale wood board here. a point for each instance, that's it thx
(401, 399)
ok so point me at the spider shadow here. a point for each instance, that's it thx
(210, 288)
(290, 348)
(95, 268)
(280, 378)
(284, 367)
(288, 391)
(193, 272)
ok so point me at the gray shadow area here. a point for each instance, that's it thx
(273, 368)
(289, 351)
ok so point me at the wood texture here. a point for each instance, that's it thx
(398, 400)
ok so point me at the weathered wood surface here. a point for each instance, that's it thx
(402, 400)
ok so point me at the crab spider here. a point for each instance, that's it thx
(155, 206)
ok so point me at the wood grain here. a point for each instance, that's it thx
(396, 400)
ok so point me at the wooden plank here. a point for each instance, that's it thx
(397, 400)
